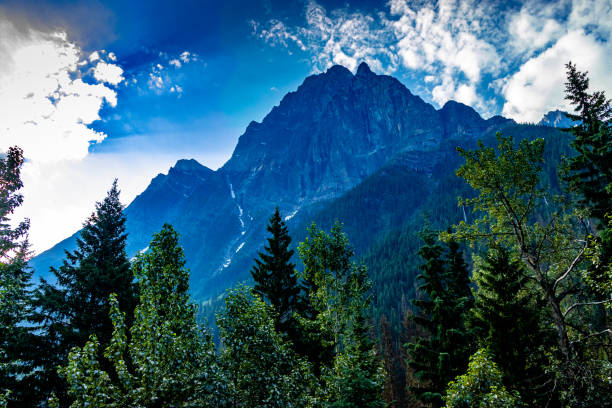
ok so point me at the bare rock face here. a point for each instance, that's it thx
(322, 140)
(336, 129)
(557, 119)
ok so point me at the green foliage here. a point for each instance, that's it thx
(261, 369)
(356, 379)
(481, 386)
(338, 290)
(16, 339)
(509, 192)
(551, 238)
(506, 320)
(166, 360)
(79, 305)
(443, 303)
(589, 172)
(508, 186)
(276, 280)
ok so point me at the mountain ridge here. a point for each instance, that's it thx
(322, 140)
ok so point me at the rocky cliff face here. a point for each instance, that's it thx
(557, 119)
(323, 139)
(336, 129)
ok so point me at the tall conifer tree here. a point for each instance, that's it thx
(79, 305)
(506, 321)
(442, 311)
(275, 277)
(15, 295)
(589, 173)
(423, 353)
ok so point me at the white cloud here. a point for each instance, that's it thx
(532, 31)
(47, 110)
(46, 106)
(163, 76)
(186, 56)
(94, 56)
(445, 43)
(337, 38)
(155, 81)
(538, 86)
(109, 73)
(594, 15)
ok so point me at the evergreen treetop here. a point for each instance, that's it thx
(78, 305)
(442, 306)
(590, 171)
(16, 338)
(275, 277)
(506, 320)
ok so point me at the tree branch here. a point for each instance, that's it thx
(601, 302)
(572, 265)
(592, 335)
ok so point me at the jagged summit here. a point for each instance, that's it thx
(363, 70)
(190, 165)
(557, 119)
(337, 70)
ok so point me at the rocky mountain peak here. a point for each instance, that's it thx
(363, 70)
(187, 165)
(557, 119)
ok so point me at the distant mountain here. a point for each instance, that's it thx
(359, 148)
(556, 119)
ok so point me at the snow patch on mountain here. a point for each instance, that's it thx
(290, 216)
(240, 211)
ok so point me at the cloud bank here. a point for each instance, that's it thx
(47, 106)
(51, 93)
(495, 57)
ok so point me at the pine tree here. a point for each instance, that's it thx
(167, 360)
(16, 338)
(276, 280)
(458, 302)
(424, 351)
(589, 173)
(506, 321)
(445, 299)
(79, 305)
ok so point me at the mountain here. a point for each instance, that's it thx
(359, 148)
(557, 119)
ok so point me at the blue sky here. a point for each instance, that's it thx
(150, 82)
